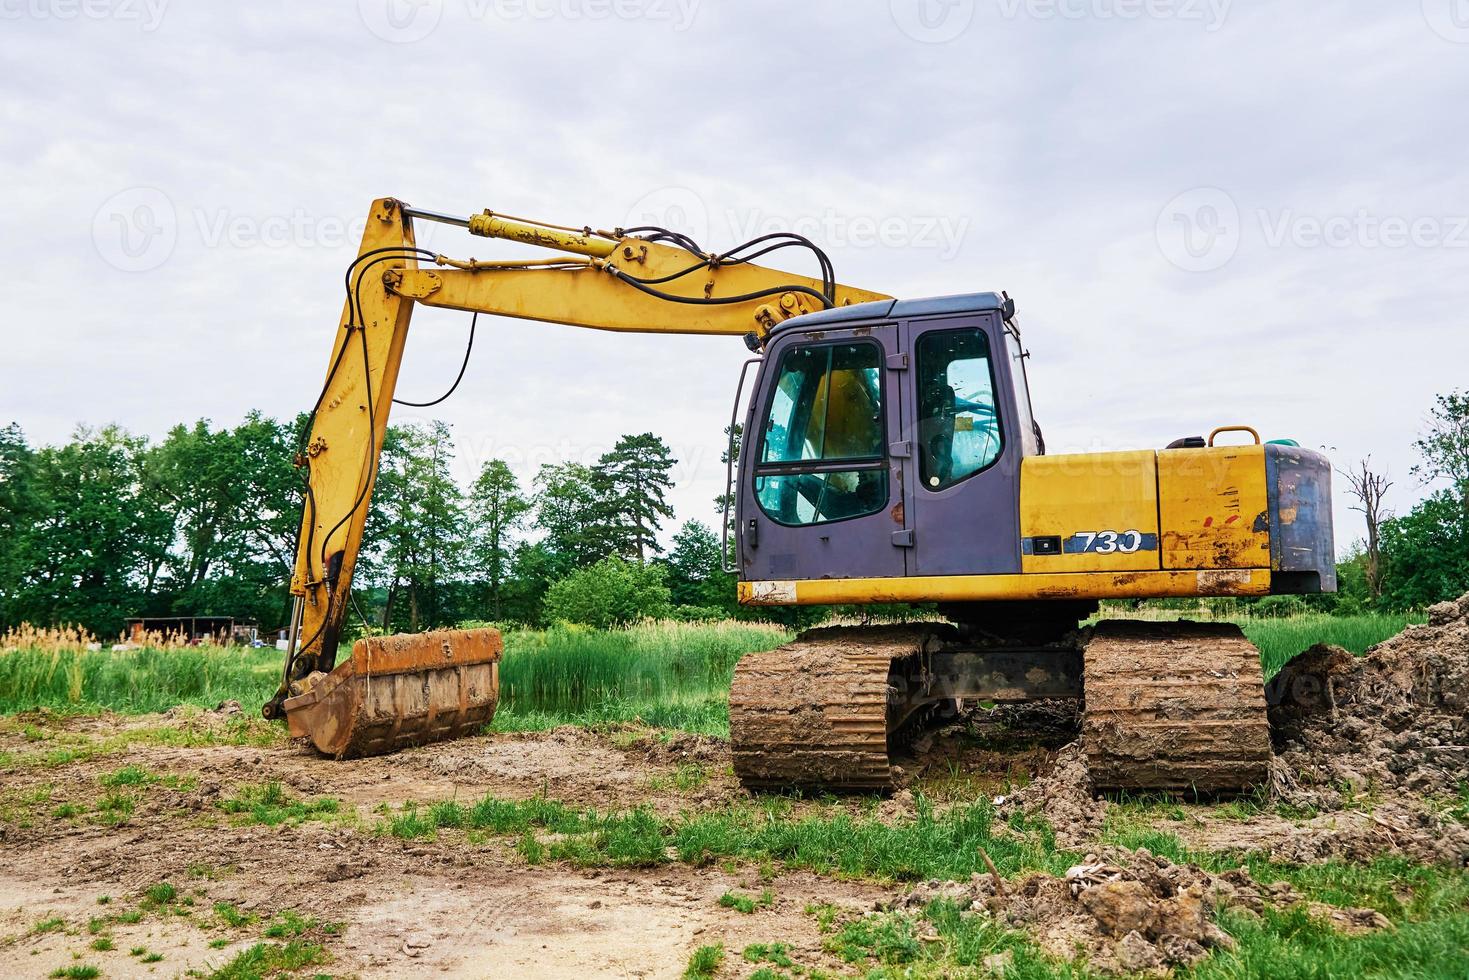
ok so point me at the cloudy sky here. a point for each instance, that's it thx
(1209, 211)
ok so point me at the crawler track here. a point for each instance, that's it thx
(1174, 706)
(1168, 706)
(813, 713)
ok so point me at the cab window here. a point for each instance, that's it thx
(958, 424)
(822, 454)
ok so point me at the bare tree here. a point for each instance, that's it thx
(1369, 489)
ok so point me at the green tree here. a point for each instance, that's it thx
(570, 512)
(421, 522)
(229, 503)
(612, 592)
(634, 479)
(497, 509)
(1426, 553)
(696, 575)
(196, 480)
(532, 570)
(1445, 447)
(724, 503)
(20, 507)
(90, 534)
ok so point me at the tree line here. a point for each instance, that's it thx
(204, 521)
(1413, 560)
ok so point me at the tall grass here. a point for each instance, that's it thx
(669, 675)
(673, 675)
(134, 681)
(1281, 639)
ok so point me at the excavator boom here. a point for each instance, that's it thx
(657, 282)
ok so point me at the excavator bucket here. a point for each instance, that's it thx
(399, 691)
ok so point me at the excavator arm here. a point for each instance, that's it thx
(643, 280)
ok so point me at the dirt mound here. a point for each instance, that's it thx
(1127, 911)
(1063, 796)
(1394, 720)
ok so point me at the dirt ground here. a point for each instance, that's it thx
(461, 906)
(408, 908)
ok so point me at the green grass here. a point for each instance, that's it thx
(746, 904)
(271, 959)
(134, 681)
(54, 747)
(776, 953)
(232, 916)
(162, 893)
(667, 675)
(1281, 639)
(128, 776)
(664, 675)
(704, 962)
(78, 972)
(932, 845)
(269, 804)
(290, 924)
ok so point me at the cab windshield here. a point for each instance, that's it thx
(822, 453)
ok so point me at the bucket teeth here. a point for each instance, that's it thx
(394, 692)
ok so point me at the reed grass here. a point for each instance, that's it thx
(662, 674)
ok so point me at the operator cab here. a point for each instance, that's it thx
(885, 439)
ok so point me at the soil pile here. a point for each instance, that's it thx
(1063, 796)
(1393, 720)
(1128, 911)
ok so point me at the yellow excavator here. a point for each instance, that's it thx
(890, 456)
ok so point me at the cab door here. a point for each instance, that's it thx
(966, 441)
(820, 494)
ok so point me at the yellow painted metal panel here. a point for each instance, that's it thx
(1102, 506)
(1213, 507)
(979, 588)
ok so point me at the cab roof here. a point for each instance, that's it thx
(897, 309)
